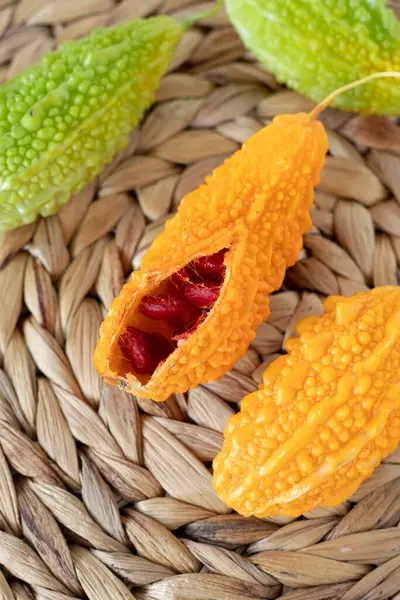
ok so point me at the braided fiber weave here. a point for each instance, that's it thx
(106, 497)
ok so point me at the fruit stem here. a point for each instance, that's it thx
(345, 88)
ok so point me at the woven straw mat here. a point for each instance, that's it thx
(106, 497)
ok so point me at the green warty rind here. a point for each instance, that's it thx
(63, 120)
(316, 46)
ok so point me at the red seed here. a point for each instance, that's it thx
(135, 348)
(144, 350)
(160, 347)
(202, 296)
(211, 267)
(181, 278)
(163, 308)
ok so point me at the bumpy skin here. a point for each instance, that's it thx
(256, 205)
(62, 120)
(318, 46)
(327, 414)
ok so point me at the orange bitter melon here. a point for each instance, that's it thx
(176, 324)
(327, 414)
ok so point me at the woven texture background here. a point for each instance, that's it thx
(106, 497)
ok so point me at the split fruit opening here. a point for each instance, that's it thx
(171, 313)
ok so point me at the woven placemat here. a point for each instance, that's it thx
(106, 497)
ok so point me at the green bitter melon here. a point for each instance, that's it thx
(316, 46)
(62, 121)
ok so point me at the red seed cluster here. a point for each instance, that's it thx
(191, 293)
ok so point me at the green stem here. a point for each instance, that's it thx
(345, 88)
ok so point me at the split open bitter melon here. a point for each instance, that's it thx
(62, 121)
(326, 415)
(315, 46)
(193, 307)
